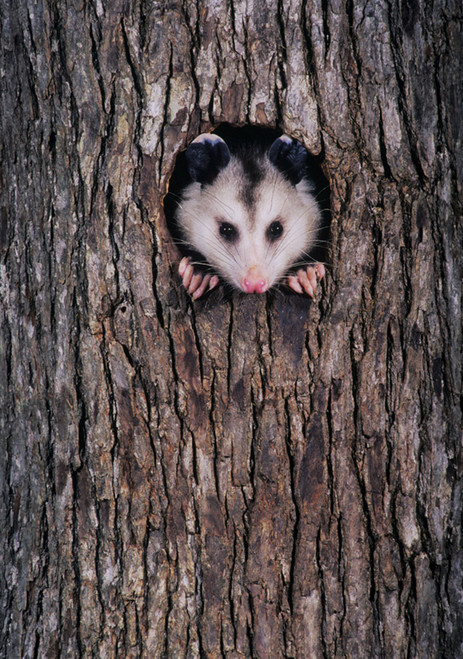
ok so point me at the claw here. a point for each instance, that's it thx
(306, 279)
(182, 265)
(294, 284)
(196, 284)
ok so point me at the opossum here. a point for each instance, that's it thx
(252, 215)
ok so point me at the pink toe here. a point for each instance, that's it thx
(202, 287)
(183, 265)
(195, 283)
(294, 284)
(320, 270)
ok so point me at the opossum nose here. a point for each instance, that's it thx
(254, 281)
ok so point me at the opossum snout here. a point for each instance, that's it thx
(254, 281)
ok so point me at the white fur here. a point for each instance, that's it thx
(203, 207)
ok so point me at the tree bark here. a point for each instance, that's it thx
(259, 476)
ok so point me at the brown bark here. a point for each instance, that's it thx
(258, 476)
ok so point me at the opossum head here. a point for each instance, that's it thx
(252, 215)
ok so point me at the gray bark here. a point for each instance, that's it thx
(252, 477)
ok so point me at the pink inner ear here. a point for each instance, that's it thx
(207, 137)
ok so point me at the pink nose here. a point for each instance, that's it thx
(254, 282)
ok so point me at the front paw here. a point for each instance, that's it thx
(305, 280)
(195, 283)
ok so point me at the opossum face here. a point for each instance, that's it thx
(251, 217)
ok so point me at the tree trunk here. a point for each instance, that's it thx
(259, 476)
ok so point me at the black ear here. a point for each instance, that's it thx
(206, 156)
(289, 157)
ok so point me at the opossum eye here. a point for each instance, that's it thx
(228, 231)
(275, 230)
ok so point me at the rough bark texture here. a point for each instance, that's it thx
(253, 477)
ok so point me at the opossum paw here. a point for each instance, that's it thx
(306, 279)
(195, 283)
